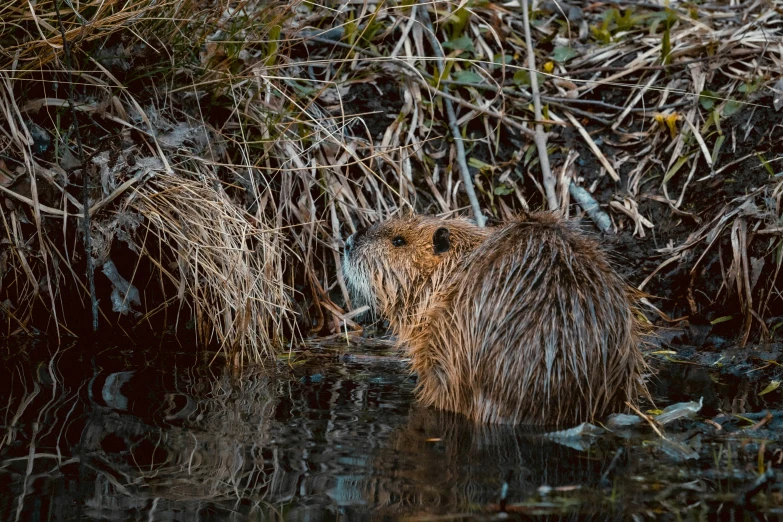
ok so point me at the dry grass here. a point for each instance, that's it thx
(294, 124)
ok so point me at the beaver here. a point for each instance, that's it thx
(524, 322)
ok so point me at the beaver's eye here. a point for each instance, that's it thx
(399, 241)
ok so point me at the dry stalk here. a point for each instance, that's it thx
(540, 136)
(316, 133)
(85, 178)
(467, 180)
(230, 266)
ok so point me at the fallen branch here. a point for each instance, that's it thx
(591, 207)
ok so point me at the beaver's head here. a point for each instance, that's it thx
(393, 265)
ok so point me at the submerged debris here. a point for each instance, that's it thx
(123, 294)
(579, 437)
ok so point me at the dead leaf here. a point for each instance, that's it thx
(5, 176)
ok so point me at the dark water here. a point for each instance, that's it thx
(163, 435)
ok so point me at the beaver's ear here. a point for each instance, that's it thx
(441, 242)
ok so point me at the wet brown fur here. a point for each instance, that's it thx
(524, 322)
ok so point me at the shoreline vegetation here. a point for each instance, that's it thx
(192, 167)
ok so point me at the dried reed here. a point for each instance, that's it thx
(320, 120)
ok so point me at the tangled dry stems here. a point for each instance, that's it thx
(641, 107)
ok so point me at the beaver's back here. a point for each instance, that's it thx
(534, 326)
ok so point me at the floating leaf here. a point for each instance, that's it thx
(772, 386)
(679, 410)
(563, 54)
(622, 420)
(678, 451)
(579, 438)
(721, 319)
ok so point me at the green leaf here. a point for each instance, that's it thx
(478, 164)
(563, 54)
(707, 99)
(716, 148)
(627, 21)
(766, 164)
(271, 52)
(731, 107)
(467, 77)
(772, 386)
(721, 319)
(503, 190)
(666, 47)
(463, 43)
(522, 77)
(459, 19)
(503, 58)
(677, 165)
(531, 150)
(601, 35)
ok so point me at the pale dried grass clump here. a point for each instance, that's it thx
(229, 265)
(159, 191)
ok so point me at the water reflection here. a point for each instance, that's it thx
(165, 436)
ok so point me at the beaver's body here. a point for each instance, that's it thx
(525, 322)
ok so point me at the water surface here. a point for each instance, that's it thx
(162, 434)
